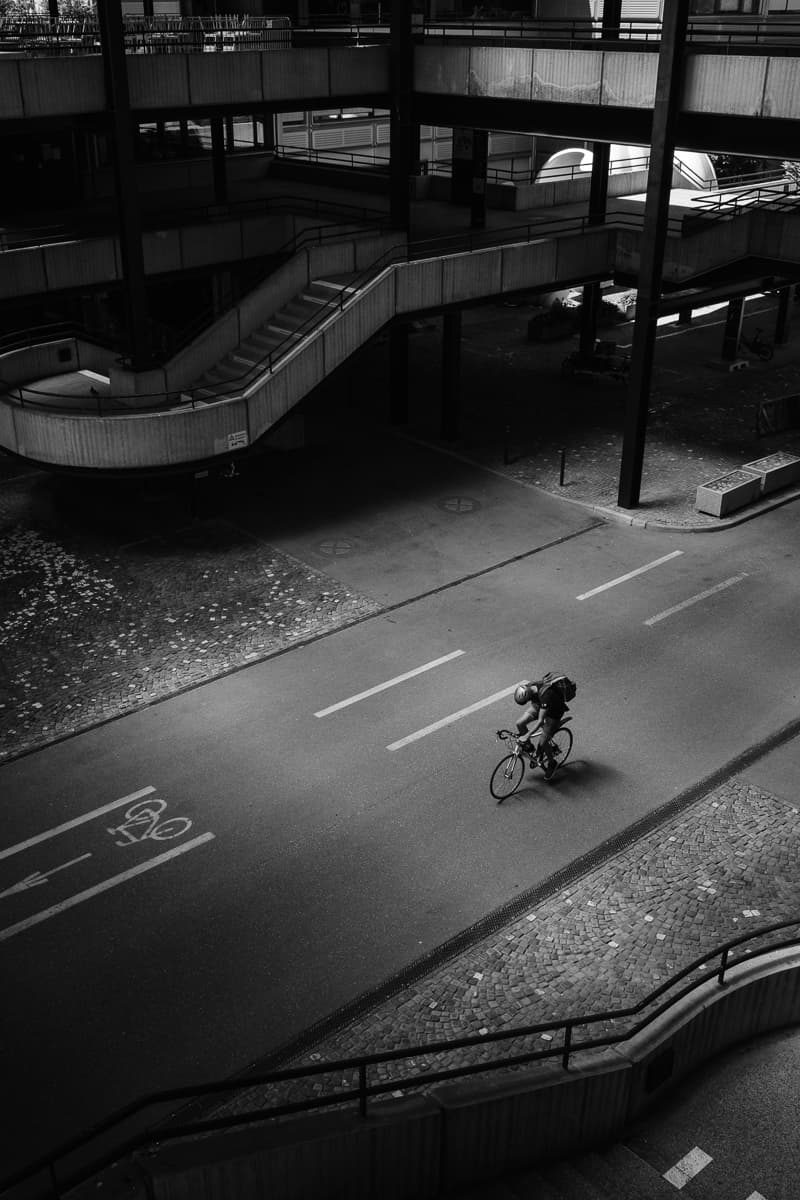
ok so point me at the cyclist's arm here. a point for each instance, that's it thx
(530, 715)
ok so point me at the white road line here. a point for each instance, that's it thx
(720, 587)
(463, 712)
(96, 812)
(381, 687)
(79, 897)
(631, 575)
(690, 1165)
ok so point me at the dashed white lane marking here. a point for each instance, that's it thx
(381, 687)
(96, 812)
(720, 587)
(690, 1165)
(630, 575)
(456, 716)
(756, 1196)
(45, 913)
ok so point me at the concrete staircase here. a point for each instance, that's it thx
(242, 365)
(612, 1174)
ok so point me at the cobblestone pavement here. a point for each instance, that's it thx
(724, 865)
(93, 625)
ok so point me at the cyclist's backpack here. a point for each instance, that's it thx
(565, 686)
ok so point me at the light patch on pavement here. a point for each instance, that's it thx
(45, 913)
(690, 1165)
(381, 687)
(676, 608)
(453, 717)
(630, 575)
(96, 812)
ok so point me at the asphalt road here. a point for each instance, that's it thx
(325, 853)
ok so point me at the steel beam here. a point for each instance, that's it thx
(669, 86)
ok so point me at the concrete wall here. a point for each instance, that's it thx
(727, 84)
(463, 1133)
(38, 87)
(54, 358)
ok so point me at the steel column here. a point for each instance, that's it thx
(480, 158)
(783, 316)
(669, 86)
(218, 160)
(127, 197)
(451, 374)
(598, 203)
(398, 372)
(733, 329)
(401, 132)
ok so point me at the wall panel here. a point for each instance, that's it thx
(295, 74)
(11, 89)
(571, 76)
(500, 71)
(60, 86)
(225, 78)
(629, 80)
(355, 70)
(725, 84)
(441, 69)
(157, 80)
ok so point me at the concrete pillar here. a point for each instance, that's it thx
(451, 374)
(398, 372)
(598, 204)
(480, 158)
(685, 315)
(230, 135)
(733, 329)
(121, 135)
(404, 147)
(218, 160)
(783, 316)
(669, 86)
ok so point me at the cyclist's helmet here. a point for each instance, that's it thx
(524, 693)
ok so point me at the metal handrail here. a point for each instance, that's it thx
(360, 1064)
(234, 387)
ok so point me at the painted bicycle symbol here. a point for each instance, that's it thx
(142, 821)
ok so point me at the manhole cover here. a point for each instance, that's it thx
(336, 547)
(459, 504)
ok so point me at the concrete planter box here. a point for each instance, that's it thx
(776, 470)
(729, 492)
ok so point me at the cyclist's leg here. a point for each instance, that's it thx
(549, 726)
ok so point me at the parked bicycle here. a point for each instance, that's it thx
(757, 345)
(509, 772)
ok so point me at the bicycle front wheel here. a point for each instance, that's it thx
(507, 776)
(560, 746)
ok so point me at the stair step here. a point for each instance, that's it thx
(635, 1178)
(572, 1183)
(243, 360)
(261, 341)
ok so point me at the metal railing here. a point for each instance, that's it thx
(355, 1077)
(434, 247)
(171, 35)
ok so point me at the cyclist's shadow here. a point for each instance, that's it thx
(576, 779)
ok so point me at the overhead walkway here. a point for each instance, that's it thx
(239, 379)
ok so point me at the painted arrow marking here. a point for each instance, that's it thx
(39, 877)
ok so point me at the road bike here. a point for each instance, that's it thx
(508, 774)
(142, 821)
(757, 345)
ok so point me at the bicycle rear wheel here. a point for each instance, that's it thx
(560, 746)
(507, 776)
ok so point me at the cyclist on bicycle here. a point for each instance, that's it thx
(544, 708)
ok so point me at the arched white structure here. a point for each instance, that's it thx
(696, 169)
